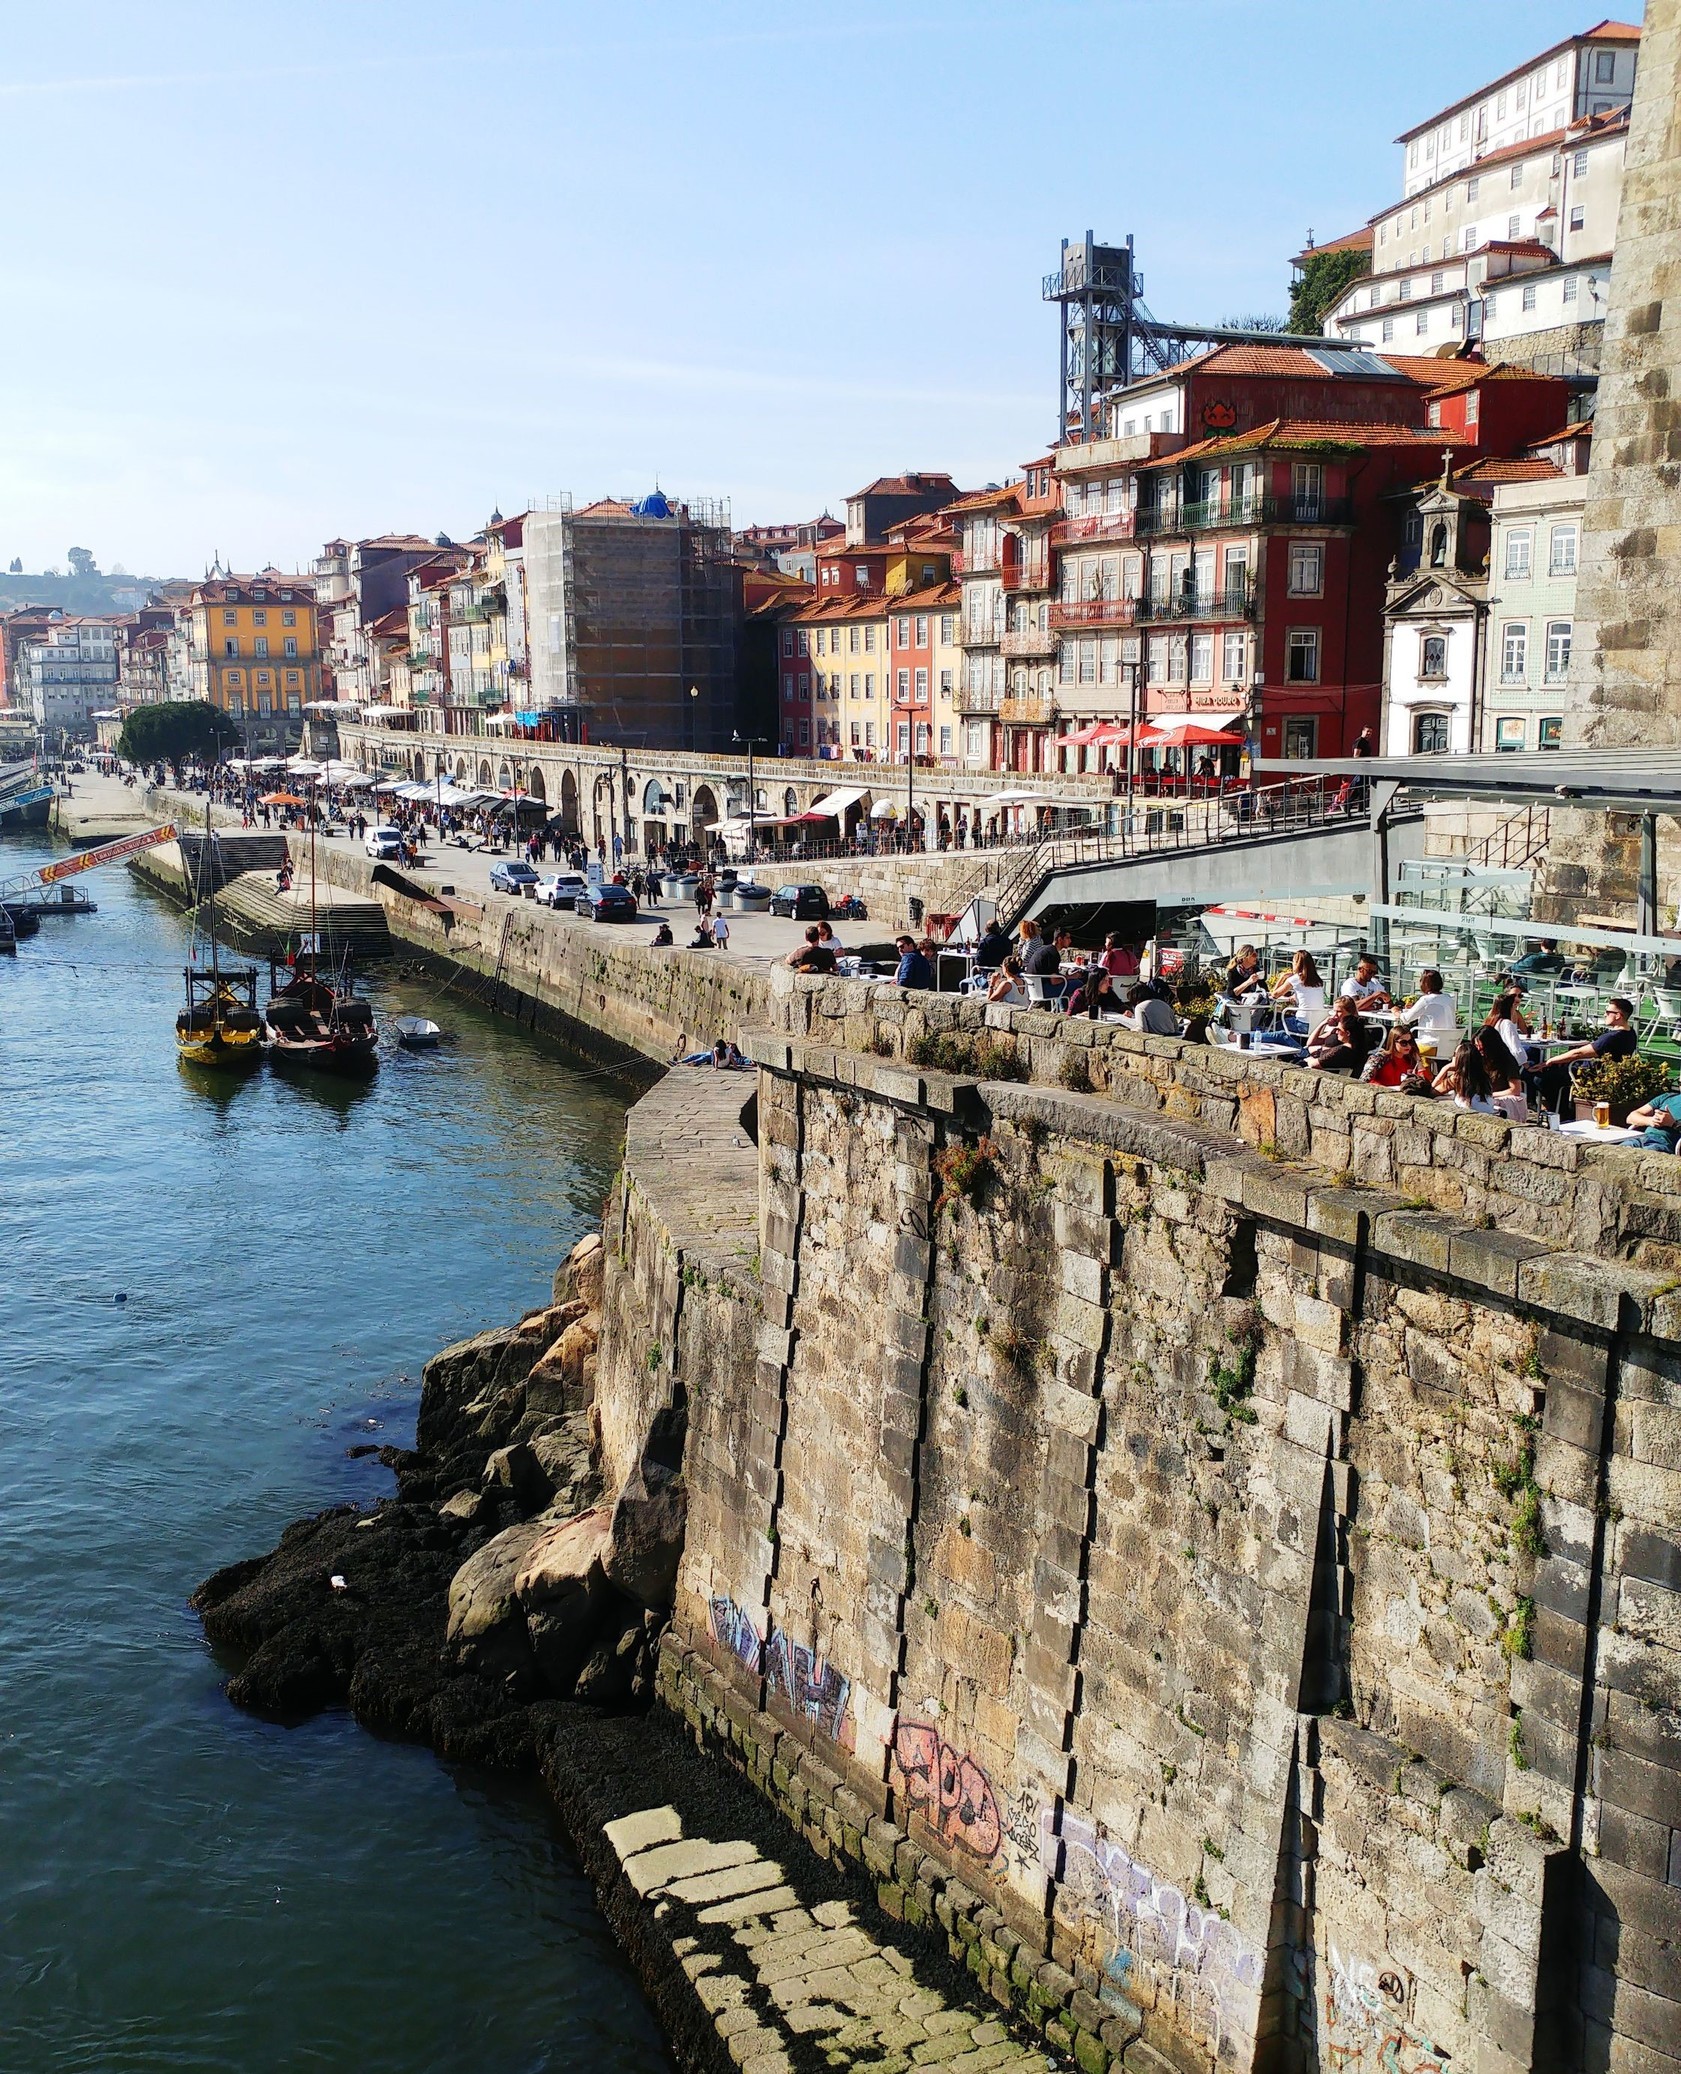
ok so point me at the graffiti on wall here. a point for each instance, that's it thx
(1365, 2021)
(812, 1687)
(1167, 1947)
(948, 1789)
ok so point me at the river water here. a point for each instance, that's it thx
(181, 1886)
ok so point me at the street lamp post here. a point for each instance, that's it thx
(748, 741)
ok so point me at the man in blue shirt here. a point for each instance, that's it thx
(914, 969)
(1658, 1122)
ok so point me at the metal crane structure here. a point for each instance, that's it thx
(26, 889)
(1110, 340)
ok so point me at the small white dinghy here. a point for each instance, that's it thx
(416, 1032)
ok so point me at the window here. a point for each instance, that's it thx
(1232, 658)
(230, 647)
(1202, 658)
(922, 630)
(1509, 734)
(291, 677)
(1514, 652)
(1421, 323)
(1155, 666)
(1302, 656)
(1558, 650)
(922, 738)
(1301, 736)
(1604, 66)
(1581, 165)
(1550, 732)
(1405, 292)
(1517, 170)
(805, 689)
(294, 702)
(1468, 243)
(1519, 547)
(904, 687)
(869, 734)
(903, 635)
(852, 685)
(1436, 281)
(945, 684)
(1307, 569)
(1561, 551)
(805, 734)
(1471, 187)
(802, 639)
(856, 735)
(945, 741)
(1569, 288)
(1430, 734)
(260, 645)
(288, 619)
(1433, 656)
(869, 684)
(817, 644)
(230, 618)
(1578, 217)
(236, 676)
(265, 702)
(788, 688)
(904, 740)
(1529, 295)
(1499, 105)
(1514, 224)
(922, 687)
(948, 629)
(259, 618)
(869, 640)
(1388, 329)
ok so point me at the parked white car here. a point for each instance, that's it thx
(561, 889)
(384, 843)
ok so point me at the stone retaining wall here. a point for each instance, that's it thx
(1235, 1611)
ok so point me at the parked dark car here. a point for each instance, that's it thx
(606, 904)
(801, 903)
(511, 876)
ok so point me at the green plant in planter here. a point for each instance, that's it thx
(1624, 1083)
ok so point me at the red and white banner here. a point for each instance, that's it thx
(106, 853)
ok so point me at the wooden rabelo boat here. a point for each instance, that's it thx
(220, 1025)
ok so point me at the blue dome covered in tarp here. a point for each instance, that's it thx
(653, 505)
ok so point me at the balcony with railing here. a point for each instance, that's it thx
(1028, 642)
(1248, 509)
(1232, 601)
(1025, 576)
(977, 699)
(1095, 525)
(1094, 612)
(1036, 711)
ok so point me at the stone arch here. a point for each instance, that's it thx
(484, 776)
(655, 798)
(504, 779)
(461, 770)
(569, 800)
(420, 763)
(790, 801)
(440, 765)
(537, 786)
(703, 808)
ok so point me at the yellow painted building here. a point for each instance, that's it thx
(255, 653)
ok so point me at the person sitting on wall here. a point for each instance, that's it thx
(662, 937)
(703, 939)
(814, 955)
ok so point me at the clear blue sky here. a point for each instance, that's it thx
(276, 272)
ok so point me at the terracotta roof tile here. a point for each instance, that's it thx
(1313, 432)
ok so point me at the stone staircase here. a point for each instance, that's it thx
(261, 918)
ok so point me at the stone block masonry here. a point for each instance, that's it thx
(1230, 1610)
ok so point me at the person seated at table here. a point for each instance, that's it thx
(814, 955)
(1433, 1012)
(1119, 958)
(1506, 1017)
(1244, 977)
(1005, 989)
(1544, 962)
(1149, 1014)
(1658, 1122)
(915, 972)
(1398, 1064)
(993, 948)
(1089, 992)
(1341, 1043)
(1363, 986)
(1043, 960)
(1466, 1079)
(1551, 1082)
(1303, 987)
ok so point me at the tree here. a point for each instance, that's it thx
(82, 562)
(17, 566)
(175, 731)
(1324, 278)
(1263, 322)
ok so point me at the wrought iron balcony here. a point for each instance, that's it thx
(1027, 712)
(1234, 601)
(1029, 641)
(1249, 510)
(1094, 612)
(1095, 525)
(1020, 576)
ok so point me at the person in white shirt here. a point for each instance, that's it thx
(1305, 990)
(1433, 1013)
(1363, 985)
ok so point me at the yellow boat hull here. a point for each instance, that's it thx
(231, 1048)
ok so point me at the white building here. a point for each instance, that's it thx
(1532, 610)
(70, 674)
(1506, 232)
(1587, 75)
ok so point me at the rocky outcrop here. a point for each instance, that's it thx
(501, 1578)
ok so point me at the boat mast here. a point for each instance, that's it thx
(210, 860)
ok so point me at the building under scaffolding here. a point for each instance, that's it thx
(634, 616)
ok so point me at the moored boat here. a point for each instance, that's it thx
(416, 1032)
(220, 1025)
(314, 1024)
